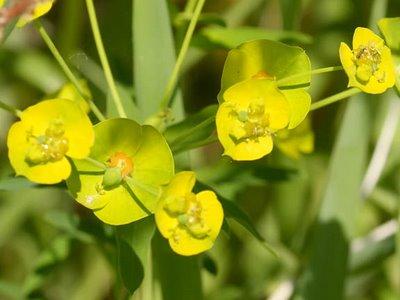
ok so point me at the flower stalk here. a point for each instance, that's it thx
(104, 60)
(66, 69)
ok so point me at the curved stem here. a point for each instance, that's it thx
(104, 60)
(10, 109)
(280, 82)
(67, 71)
(169, 91)
(334, 98)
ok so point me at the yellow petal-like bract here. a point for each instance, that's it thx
(68, 91)
(47, 133)
(191, 222)
(40, 8)
(369, 65)
(297, 141)
(252, 112)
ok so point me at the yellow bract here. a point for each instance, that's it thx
(252, 111)
(47, 133)
(191, 222)
(294, 142)
(1, 3)
(369, 65)
(68, 91)
(39, 9)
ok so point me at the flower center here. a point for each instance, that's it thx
(50, 147)
(367, 59)
(121, 161)
(254, 123)
(188, 211)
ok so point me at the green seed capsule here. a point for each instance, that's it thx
(112, 178)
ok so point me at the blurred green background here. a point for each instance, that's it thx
(332, 244)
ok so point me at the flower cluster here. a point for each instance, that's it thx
(260, 96)
(369, 65)
(191, 222)
(124, 171)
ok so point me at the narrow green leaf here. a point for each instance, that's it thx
(133, 251)
(179, 275)
(68, 223)
(193, 130)
(229, 38)
(290, 12)
(154, 56)
(326, 273)
(15, 184)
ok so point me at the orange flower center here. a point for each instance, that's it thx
(122, 161)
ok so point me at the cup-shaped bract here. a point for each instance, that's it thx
(48, 133)
(69, 91)
(369, 65)
(390, 29)
(252, 112)
(191, 222)
(295, 142)
(265, 59)
(121, 181)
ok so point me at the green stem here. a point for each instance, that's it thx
(169, 91)
(67, 71)
(190, 6)
(199, 127)
(332, 99)
(280, 82)
(10, 109)
(104, 60)
(96, 163)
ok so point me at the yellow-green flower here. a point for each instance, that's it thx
(1, 3)
(252, 112)
(369, 65)
(122, 178)
(38, 9)
(294, 142)
(46, 135)
(68, 91)
(191, 222)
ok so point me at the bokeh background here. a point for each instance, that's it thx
(56, 249)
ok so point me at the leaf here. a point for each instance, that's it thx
(7, 31)
(68, 223)
(192, 130)
(127, 102)
(134, 242)
(154, 56)
(15, 184)
(290, 12)
(49, 259)
(179, 276)
(371, 254)
(229, 38)
(336, 221)
(47, 77)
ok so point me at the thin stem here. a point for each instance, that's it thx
(190, 6)
(67, 71)
(96, 163)
(332, 99)
(104, 60)
(10, 109)
(280, 82)
(169, 91)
